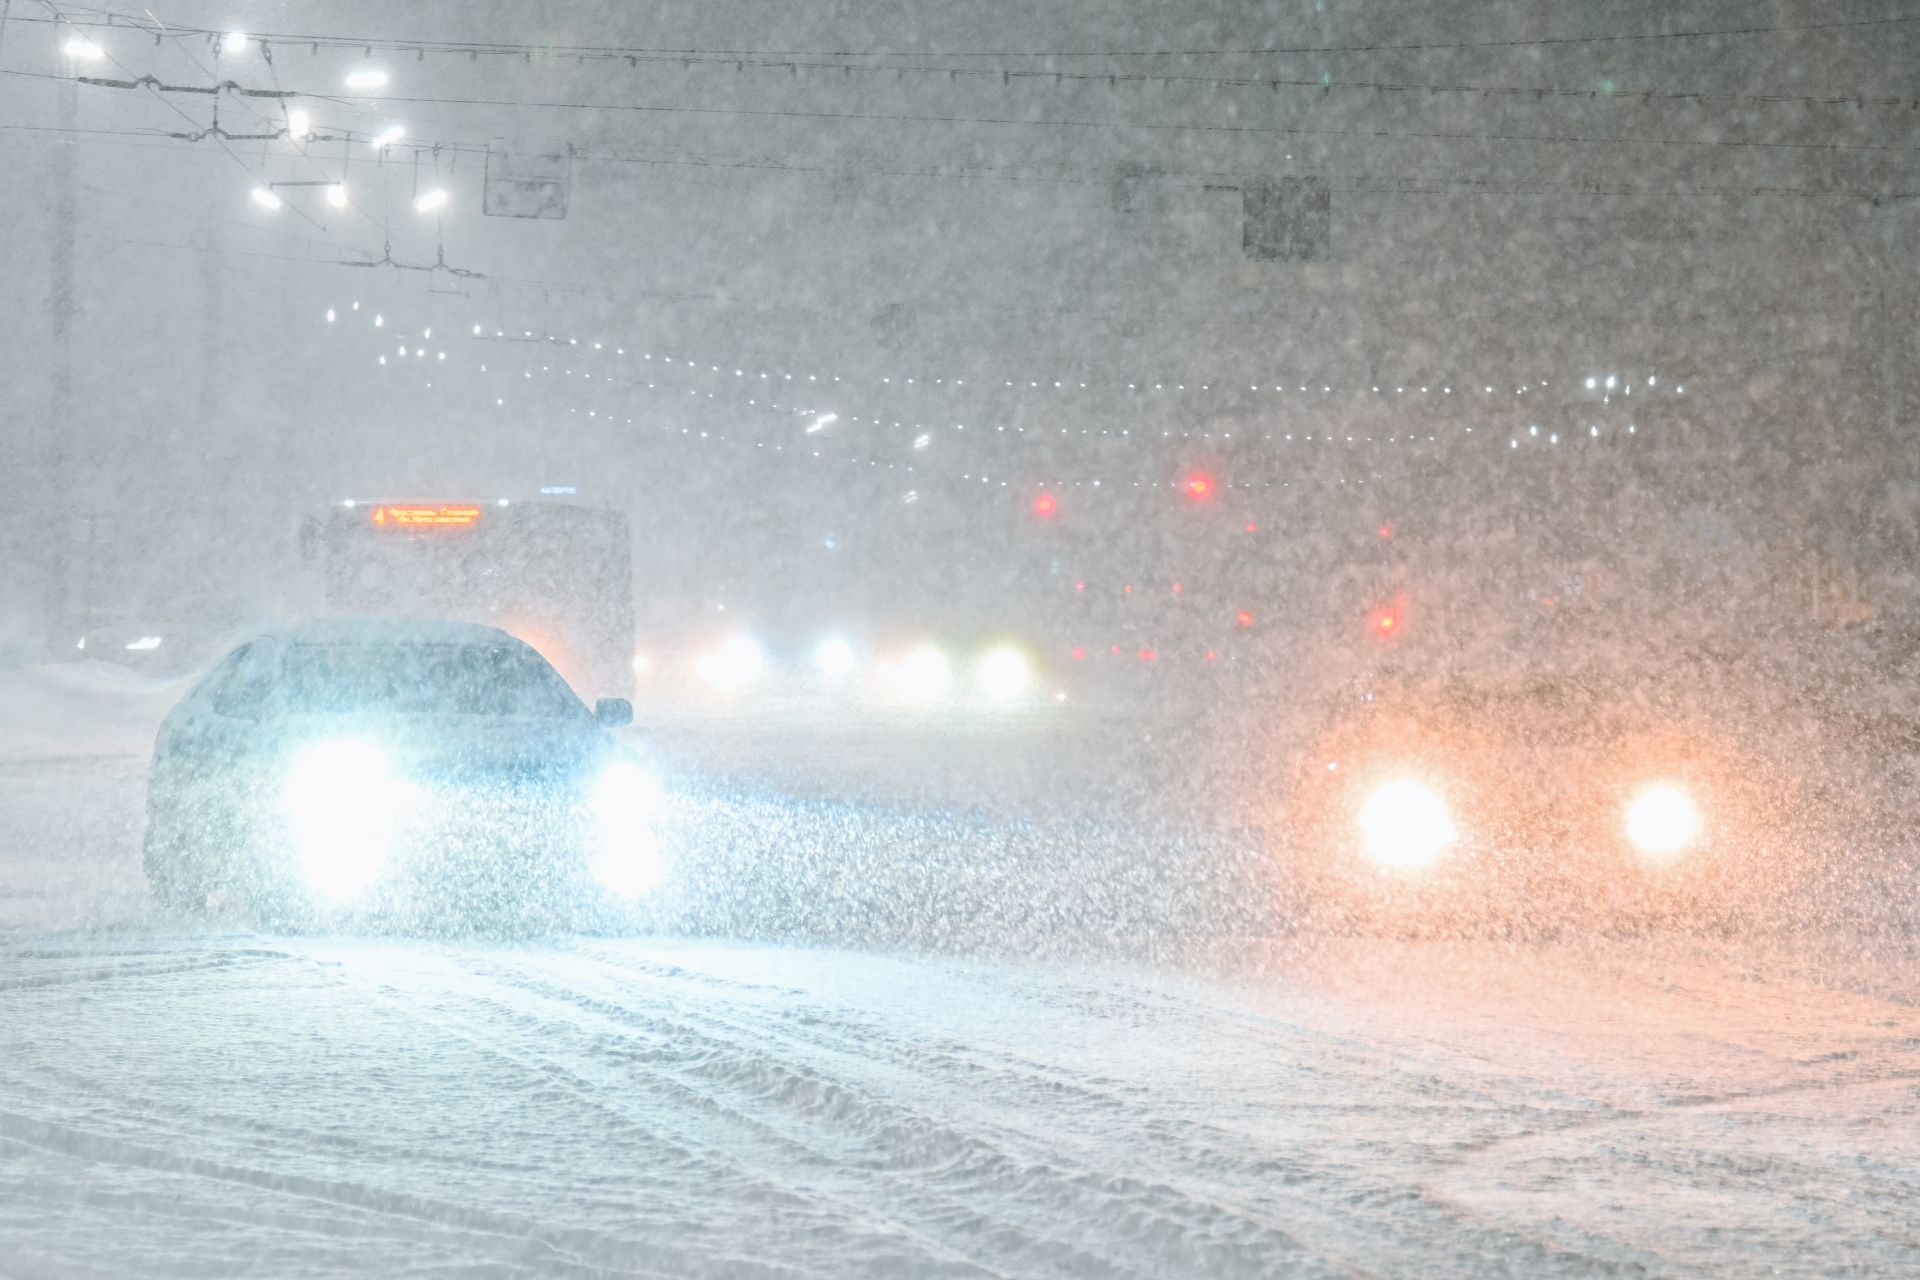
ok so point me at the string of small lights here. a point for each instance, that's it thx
(803, 425)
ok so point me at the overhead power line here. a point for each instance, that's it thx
(109, 18)
(1609, 91)
(907, 117)
(1298, 131)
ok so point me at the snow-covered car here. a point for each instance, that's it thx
(1541, 800)
(397, 771)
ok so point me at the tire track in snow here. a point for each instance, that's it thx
(743, 1081)
(842, 1224)
(1353, 1209)
(545, 1251)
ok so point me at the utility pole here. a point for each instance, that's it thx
(55, 468)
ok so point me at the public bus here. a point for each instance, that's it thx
(558, 575)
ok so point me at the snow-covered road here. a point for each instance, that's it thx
(254, 1106)
(183, 1099)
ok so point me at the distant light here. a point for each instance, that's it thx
(82, 644)
(87, 50)
(1244, 618)
(1592, 383)
(1004, 674)
(337, 195)
(144, 644)
(378, 321)
(429, 201)
(1045, 505)
(503, 502)
(734, 665)
(922, 675)
(559, 490)
(389, 135)
(834, 657)
(329, 315)
(266, 199)
(642, 664)
(1662, 820)
(1079, 653)
(367, 78)
(1611, 380)
(299, 124)
(236, 42)
(1199, 486)
(822, 422)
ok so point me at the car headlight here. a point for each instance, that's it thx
(1662, 820)
(1405, 824)
(342, 803)
(628, 860)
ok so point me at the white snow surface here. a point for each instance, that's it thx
(182, 1099)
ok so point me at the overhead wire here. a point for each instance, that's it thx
(1148, 126)
(110, 18)
(1604, 92)
(53, 9)
(1377, 134)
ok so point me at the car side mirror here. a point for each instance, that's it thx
(613, 713)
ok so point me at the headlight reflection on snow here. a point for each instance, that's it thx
(1405, 824)
(1662, 820)
(342, 803)
(628, 860)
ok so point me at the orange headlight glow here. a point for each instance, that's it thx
(1405, 824)
(1662, 820)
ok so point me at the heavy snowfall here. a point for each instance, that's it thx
(959, 639)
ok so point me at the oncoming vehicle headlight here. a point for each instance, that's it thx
(627, 858)
(1662, 820)
(1405, 824)
(342, 803)
(1005, 674)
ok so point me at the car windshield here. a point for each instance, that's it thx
(422, 679)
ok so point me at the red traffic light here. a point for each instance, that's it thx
(1199, 486)
(1244, 618)
(1045, 505)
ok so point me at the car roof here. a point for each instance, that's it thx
(390, 631)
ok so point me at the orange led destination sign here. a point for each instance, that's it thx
(398, 517)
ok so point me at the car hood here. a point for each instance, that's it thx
(456, 746)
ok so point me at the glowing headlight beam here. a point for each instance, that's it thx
(734, 665)
(1662, 820)
(921, 676)
(628, 860)
(835, 658)
(1405, 824)
(1004, 674)
(342, 803)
